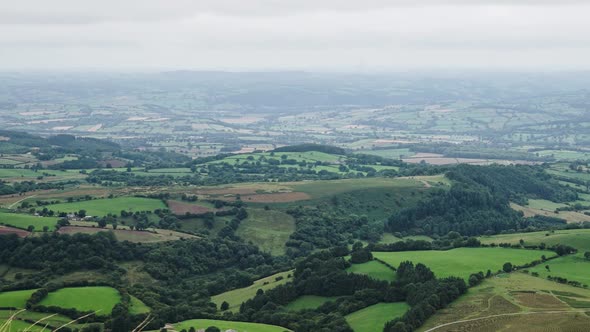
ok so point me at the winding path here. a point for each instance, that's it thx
(503, 315)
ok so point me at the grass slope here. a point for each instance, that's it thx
(237, 296)
(309, 302)
(100, 298)
(269, 230)
(24, 220)
(515, 293)
(137, 306)
(373, 318)
(574, 268)
(577, 238)
(101, 207)
(373, 269)
(15, 299)
(462, 262)
(202, 324)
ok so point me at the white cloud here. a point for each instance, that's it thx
(304, 34)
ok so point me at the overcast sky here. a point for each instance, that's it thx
(327, 35)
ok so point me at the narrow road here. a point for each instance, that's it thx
(13, 204)
(502, 315)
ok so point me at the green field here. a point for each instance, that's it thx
(390, 238)
(543, 204)
(102, 207)
(19, 326)
(15, 299)
(462, 262)
(237, 296)
(373, 318)
(309, 302)
(575, 268)
(318, 189)
(49, 175)
(25, 220)
(577, 238)
(137, 306)
(101, 299)
(269, 230)
(202, 324)
(52, 320)
(373, 269)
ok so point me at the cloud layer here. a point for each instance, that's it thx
(328, 35)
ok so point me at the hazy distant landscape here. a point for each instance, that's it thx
(294, 166)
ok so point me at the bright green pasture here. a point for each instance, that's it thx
(573, 267)
(52, 321)
(237, 296)
(15, 299)
(268, 229)
(462, 262)
(309, 302)
(101, 207)
(373, 269)
(373, 318)
(202, 324)
(577, 238)
(101, 299)
(23, 221)
(19, 325)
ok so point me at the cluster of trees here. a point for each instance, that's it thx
(478, 202)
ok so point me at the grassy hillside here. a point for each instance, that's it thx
(577, 238)
(269, 230)
(515, 294)
(309, 302)
(373, 269)
(23, 221)
(462, 262)
(15, 299)
(202, 324)
(101, 299)
(237, 296)
(102, 207)
(373, 318)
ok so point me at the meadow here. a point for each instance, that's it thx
(23, 221)
(99, 298)
(572, 267)
(15, 299)
(202, 324)
(462, 262)
(373, 318)
(23, 319)
(269, 230)
(373, 269)
(137, 306)
(309, 302)
(577, 238)
(235, 297)
(102, 207)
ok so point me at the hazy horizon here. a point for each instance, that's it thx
(266, 35)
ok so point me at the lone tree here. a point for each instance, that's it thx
(507, 267)
(587, 255)
(224, 306)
